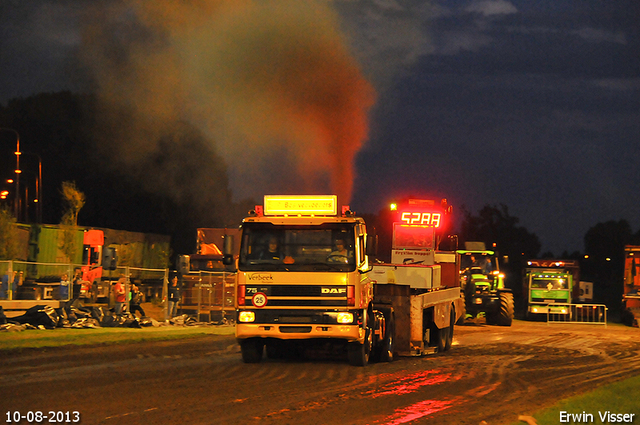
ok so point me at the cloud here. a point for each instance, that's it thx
(601, 36)
(619, 84)
(491, 7)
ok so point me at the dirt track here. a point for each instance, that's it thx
(491, 374)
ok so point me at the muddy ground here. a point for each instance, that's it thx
(491, 374)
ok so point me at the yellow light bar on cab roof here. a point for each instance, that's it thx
(300, 204)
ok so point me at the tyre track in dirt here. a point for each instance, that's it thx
(491, 373)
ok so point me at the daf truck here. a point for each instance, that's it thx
(307, 274)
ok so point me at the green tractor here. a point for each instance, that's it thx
(483, 285)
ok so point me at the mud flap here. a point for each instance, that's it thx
(442, 315)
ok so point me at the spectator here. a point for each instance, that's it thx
(174, 297)
(136, 300)
(120, 294)
(4, 287)
(77, 285)
(64, 287)
(18, 278)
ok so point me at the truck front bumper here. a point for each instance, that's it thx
(298, 325)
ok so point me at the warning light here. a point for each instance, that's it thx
(393, 207)
(305, 205)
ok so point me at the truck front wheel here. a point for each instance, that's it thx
(252, 349)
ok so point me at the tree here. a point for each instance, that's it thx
(73, 200)
(604, 264)
(8, 237)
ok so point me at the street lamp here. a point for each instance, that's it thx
(16, 205)
(28, 202)
(38, 199)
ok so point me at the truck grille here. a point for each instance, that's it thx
(295, 329)
(300, 295)
(548, 301)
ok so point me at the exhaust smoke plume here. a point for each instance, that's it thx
(270, 83)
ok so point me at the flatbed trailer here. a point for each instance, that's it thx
(424, 322)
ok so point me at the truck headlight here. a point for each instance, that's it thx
(345, 318)
(246, 316)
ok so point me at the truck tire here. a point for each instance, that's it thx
(505, 318)
(384, 352)
(389, 344)
(252, 349)
(442, 335)
(449, 340)
(357, 353)
(464, 312)
(438, 337)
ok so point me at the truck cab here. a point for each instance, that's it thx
(302, 274)
(550, 286)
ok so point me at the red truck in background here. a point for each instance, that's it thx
(95, 258)
(630, 294)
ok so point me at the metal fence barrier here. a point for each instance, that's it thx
(52, 282)
(589, 314)
(209, 296)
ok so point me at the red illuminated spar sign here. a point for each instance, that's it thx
(431, 219)
(420, 212)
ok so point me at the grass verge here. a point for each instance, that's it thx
(11, 341)
(617, 398)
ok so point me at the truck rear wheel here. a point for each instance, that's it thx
(438, 337)
(505, 318)
(449, 340)
(252, 349)
(464, 312)
(442, 335)
(359, 353)
(384, 352)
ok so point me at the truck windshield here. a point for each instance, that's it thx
(270, 247)
(550, 284)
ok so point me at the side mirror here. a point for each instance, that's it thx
(227, 250)
(109, 259)
(184, 264)
(372, 245)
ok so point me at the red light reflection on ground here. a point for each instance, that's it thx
(411, 383)
(417, 411)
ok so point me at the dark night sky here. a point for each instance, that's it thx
(534, 105)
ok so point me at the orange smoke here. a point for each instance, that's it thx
(272, 83)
